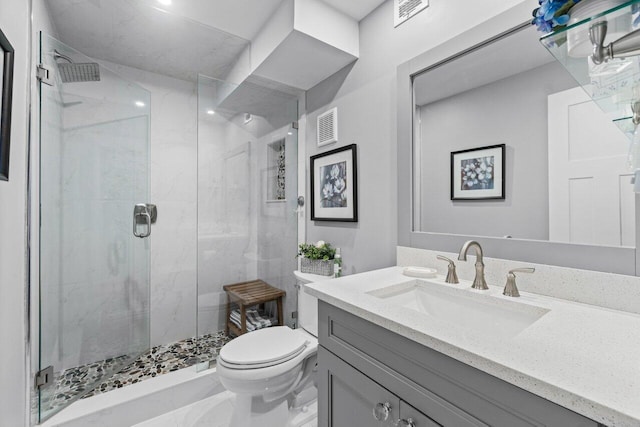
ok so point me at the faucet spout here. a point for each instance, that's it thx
(478, 282)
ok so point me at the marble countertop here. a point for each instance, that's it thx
(580, 356)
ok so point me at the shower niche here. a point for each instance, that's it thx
(276, 171)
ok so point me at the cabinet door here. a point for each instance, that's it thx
(348, 397)
(409, 413)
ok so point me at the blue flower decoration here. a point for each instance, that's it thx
(552, 14)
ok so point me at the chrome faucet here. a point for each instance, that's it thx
(510, 289)
(452, 277)
(478, 281)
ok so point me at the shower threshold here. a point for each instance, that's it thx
(155, 362)
(136, 403)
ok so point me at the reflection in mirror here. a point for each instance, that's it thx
(566, 175)
(1, 68)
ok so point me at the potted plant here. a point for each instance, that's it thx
(317, 258)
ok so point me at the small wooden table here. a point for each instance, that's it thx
(248, 294)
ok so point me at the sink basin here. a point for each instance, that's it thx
(463, 308)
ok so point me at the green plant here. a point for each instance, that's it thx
(319, 250)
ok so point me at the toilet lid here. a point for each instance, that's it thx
(265, 347)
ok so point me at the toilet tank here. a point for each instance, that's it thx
(308, 304)
(307, 311)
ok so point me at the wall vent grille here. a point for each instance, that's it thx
(328, 127)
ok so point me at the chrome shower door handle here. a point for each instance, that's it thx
(141, 216)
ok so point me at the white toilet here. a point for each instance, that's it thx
(272, 370)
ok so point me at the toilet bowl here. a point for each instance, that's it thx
(269, 369)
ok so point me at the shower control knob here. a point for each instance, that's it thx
(406, 423)
(382, 411)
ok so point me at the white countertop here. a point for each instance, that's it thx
(580, 356)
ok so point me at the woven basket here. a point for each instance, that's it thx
(316, 266)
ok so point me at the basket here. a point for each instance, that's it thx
(316, 266)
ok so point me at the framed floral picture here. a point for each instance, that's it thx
(478, 173)
(334, 188)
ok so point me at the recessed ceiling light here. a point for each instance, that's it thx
(165, 2)
(289, 133)
(140, 104)
(211, 112)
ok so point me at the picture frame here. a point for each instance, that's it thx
(478, 173)
(334, 186)
(6, 97)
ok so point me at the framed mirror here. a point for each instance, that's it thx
(568, 197)
(6, 65)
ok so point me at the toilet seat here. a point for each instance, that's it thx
(263, 348)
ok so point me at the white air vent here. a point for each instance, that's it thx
(328, 127)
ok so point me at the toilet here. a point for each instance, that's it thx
(272, 370)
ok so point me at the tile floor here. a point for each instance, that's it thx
(157, 361)
(216, 411)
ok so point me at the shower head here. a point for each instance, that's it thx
(74, 73)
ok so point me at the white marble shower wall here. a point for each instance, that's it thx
(243, 234)
(174, 154)
(227, 220)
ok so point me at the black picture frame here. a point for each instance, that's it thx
(5, 110)
(330, 169)
(478, 173)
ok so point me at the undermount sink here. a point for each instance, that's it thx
(463, 308)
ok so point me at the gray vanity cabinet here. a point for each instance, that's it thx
(354, 397)
(361, 365)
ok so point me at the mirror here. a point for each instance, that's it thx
(6, 90)
(429, 219)
(564, 170)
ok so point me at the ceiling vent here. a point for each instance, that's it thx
(328, 127)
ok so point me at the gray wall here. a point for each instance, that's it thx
(365, 94)
(14, 21)
(512, 111)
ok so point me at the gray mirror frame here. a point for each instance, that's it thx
(622, 260)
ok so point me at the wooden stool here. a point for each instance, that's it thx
(248, 294)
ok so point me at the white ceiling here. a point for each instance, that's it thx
(505, 58)
(357, 9)
(141, 34)
(244, 18)
(128, 32)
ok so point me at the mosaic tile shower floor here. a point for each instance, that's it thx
(157, 361)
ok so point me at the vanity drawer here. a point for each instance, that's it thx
(433, 383)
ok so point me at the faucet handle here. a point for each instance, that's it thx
(452, 277)
(510, 289)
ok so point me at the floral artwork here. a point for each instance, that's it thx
(477, 174)
(334, 183)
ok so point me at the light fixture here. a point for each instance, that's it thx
(140, 104)
(165, 2)
(211, 112)
(289, 133)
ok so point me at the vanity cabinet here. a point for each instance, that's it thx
(361, 365)
(357, 401)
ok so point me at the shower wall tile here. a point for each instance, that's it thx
(173, 161)
(173, 306)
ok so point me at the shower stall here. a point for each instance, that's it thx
(156, 186)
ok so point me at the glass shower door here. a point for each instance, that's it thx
(247, 198)
(94, 272)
